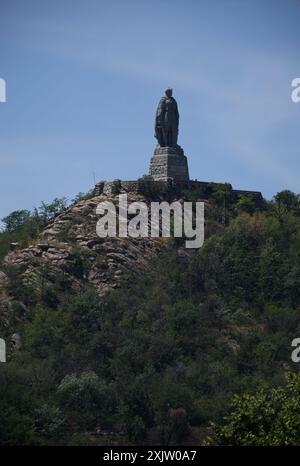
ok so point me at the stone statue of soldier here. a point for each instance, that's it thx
(168, 162)
(167, 120)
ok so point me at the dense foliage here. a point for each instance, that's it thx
(270, 417)
(163, 356)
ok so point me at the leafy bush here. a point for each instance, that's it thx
(269, 417)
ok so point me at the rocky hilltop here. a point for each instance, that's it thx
(68, 251)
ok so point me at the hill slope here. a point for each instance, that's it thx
(139, 340)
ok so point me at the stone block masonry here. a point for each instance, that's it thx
(137, 186)
(169, 163)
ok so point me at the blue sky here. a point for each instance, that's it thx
(84, 79)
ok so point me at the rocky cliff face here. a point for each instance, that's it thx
(69, 253)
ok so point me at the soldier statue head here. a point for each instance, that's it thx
(169, 92)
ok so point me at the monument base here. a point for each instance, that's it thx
(169, 163)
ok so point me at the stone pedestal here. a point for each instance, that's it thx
(169, 163)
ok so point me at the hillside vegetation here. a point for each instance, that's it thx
(176, 340)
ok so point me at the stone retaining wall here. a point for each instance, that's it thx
(136, 186)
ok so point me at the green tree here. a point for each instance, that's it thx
(16, 219)
(48, 211)
(269, 417)
(246, 204)
(85, 399)
(287, 199)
